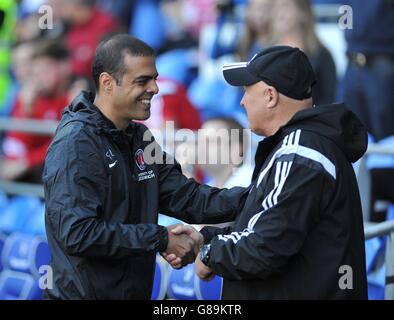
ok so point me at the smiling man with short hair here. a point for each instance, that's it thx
(103, 198)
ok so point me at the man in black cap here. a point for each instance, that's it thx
(300, 233)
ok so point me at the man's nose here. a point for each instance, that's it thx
(242, 103)
(153, 87)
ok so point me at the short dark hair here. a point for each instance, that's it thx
(51, 48)
(110, 55)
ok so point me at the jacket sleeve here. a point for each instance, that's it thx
(210, 232)
(75, 183)
(189, 201)
(278, 230)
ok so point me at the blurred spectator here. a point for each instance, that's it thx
(232, 39)
(59, 27)
(175, 23)
(7, 24)
(294, 25)
(121, 10)
(367, 87)
(87, 27)
(21, 71)
(198, 13)
(239, 34)
(225, 29)
(172, 104)
(214, 147)
(381, 173)
(257, 33)
(42, 97)
(27, 28)
(163, 25)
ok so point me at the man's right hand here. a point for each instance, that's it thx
(175, 260)
(180, 245)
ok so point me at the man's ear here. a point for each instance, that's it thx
(106, 82)
(273, 97)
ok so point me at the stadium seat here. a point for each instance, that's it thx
(3, 202)
(377, 280)
(35, 224)
(208, 290)
(373, 248)
(181, 283)
(17, 212)
(382, 161)
(167, 221)
(160, 279)
(175, 65)
(202, 93)
(390, 212)
(375, 254)
(2, 241)
(25, 253)
(148, 16)
(18, 286)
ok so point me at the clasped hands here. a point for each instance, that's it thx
(184, 244)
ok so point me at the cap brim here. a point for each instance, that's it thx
(238, 75)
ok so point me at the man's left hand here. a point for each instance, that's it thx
(204, 272)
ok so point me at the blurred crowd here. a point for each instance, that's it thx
(47, 46)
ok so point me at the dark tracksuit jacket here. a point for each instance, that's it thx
(302, 219)
(102, 201)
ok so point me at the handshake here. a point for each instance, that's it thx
(184, 244)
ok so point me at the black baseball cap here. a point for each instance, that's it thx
(286, 68)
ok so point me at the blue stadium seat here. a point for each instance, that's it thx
(203, 93)
(208, 290)
(35, 224)
(147, 17)
(3, 202)
(18, 210)
(2, 241)
(18, 286)
(375, 292)
(167, 221)
(181, 283)
(160, 280)
(382, 161)
(390, 212)
(373, 248)
(175, 65)
(375, 253)
(376, 281)
(25, 253)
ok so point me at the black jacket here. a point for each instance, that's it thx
(102, 202)
(302, 220)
